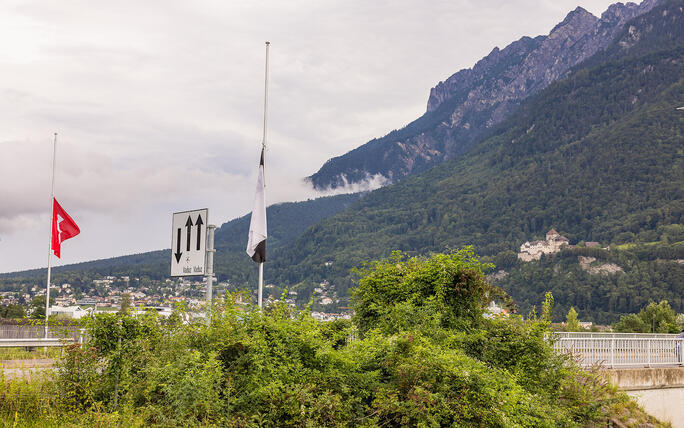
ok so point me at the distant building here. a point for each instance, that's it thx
(161, 310)
(324, 316)
(64, 301)
(494, 310)
(74, 312)
(533, 250)
(87, 301)
(591, 244)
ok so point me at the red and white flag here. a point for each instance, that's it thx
(63, 227)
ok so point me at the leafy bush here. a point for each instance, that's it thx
(426, 357)
(396, 292)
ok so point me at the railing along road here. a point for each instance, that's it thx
(614, 350)
(34, 336)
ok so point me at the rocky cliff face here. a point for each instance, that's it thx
(578, 37)
(463, 107)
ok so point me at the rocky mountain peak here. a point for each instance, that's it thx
(578, 18)
(620, 12)
(533, 59)
(560, 49)
(463, 107)
(617, 11)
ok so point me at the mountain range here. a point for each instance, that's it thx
(593, 147)
(467, 105)
(598, 155)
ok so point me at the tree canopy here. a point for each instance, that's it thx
(654, 318)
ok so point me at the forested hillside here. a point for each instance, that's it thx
(601, 284)
(598, 155)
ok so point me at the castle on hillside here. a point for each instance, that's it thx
(533, 250)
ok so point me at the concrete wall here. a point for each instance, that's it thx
(666, 404)
(660, 391)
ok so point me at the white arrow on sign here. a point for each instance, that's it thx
(189, 243)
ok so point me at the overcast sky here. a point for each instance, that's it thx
(159, 104)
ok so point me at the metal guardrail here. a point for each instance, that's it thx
(581, 335)
(617, 351)
(38, 331)
(35, 342)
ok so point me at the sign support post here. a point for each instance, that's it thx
(210, 263)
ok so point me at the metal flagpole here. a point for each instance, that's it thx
(263, 143)
(263, 147)
(52, 214)
(261, 284)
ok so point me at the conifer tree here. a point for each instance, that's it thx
(571, 321)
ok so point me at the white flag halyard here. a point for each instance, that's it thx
(256, 245)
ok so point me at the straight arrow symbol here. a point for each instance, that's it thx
(199, 224)
(188, 225)
(178, 251)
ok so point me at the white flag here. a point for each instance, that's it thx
(256, 245)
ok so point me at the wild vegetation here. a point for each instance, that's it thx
(418, 352)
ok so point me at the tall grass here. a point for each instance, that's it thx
(33, 402)
(23, 354)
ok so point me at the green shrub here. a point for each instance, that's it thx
(451, 287)
(77, 378)
(426, 357)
